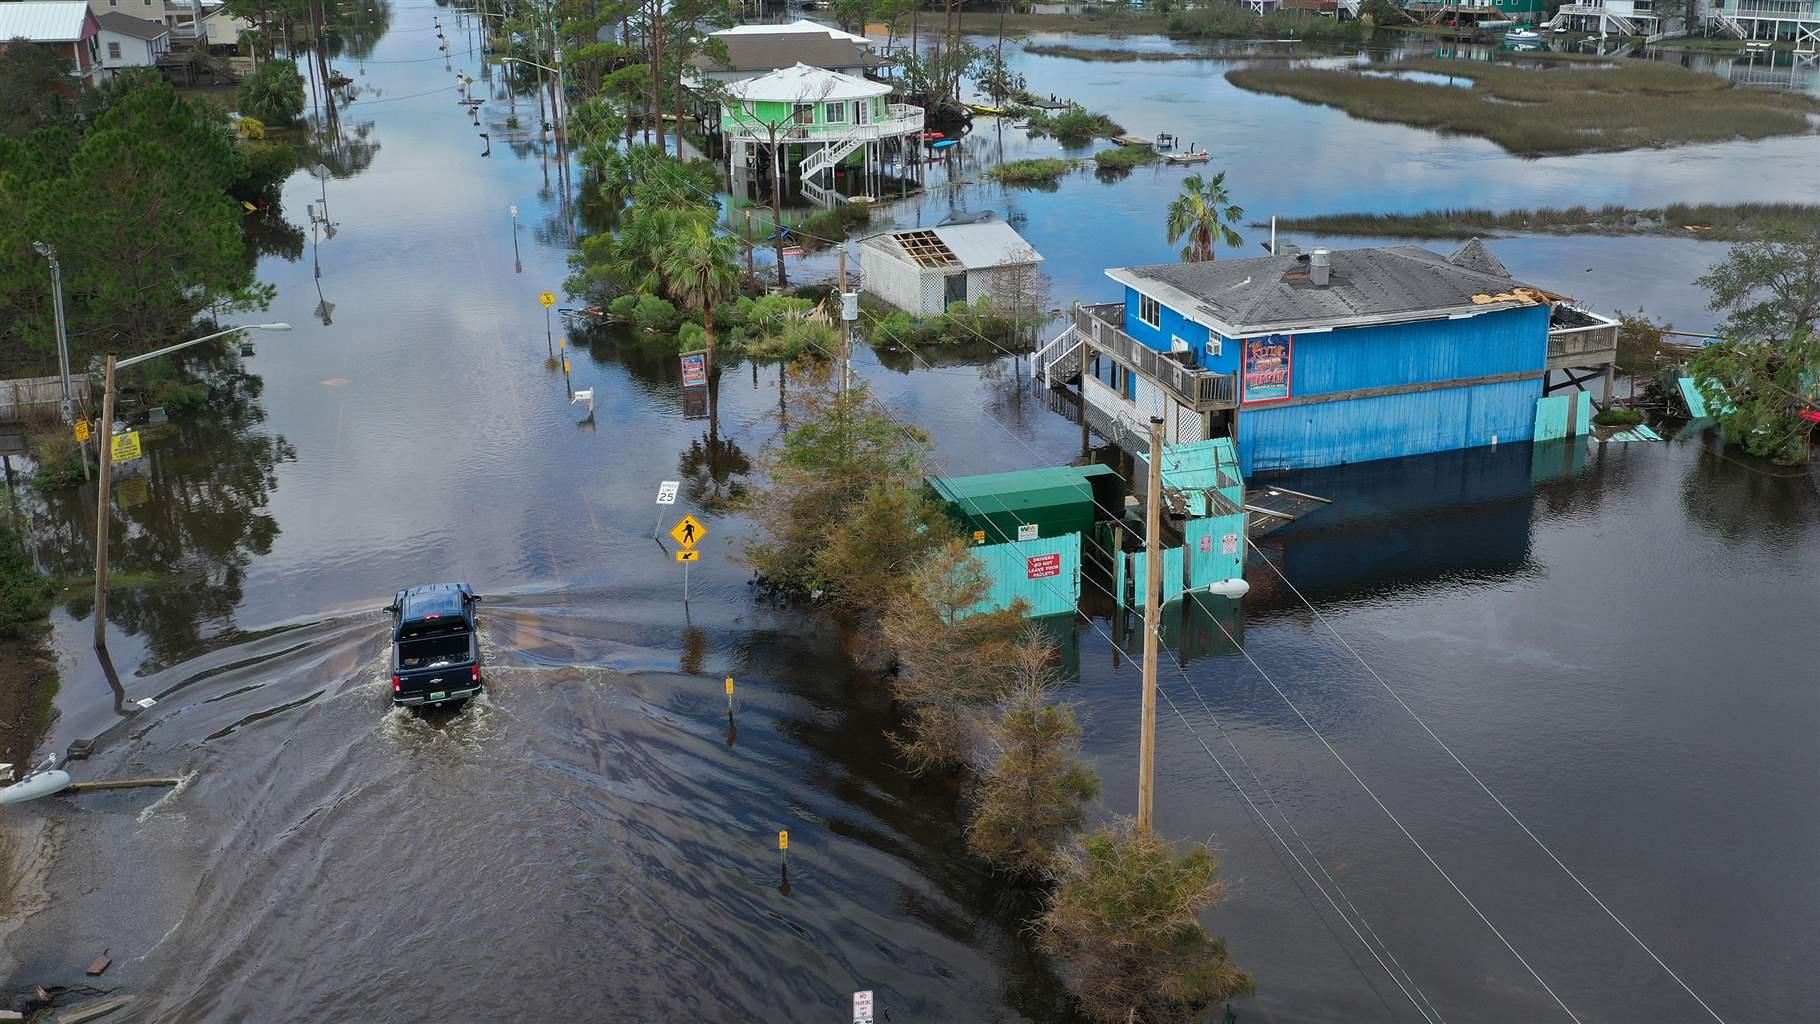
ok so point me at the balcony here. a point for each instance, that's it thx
(900, 119)
(1192, 386)
(1579, 339)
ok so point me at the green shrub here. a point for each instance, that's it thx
(1618, 418)
(176, 397)
(623, 307)
(59, 462)
(655, 314)
(273, 94)
(25, 593)
(1038, 172)
(691, 337)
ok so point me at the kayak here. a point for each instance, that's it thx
(979, 108)
(35, 785)
(929, 136)
(944, 144)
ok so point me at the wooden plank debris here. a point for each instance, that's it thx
(77, 787)
(93, 1011)
(100, 965)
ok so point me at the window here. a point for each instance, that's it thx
(1150, 311)
(805, 113)
(837, 113)
(113, 51)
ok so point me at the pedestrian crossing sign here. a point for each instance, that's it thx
(689, 531)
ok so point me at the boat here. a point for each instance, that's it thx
(1522, 35)
(944, 144)
(1188, 156)
(980, 108)
(35, 785)
(1560, 30)
(928, 136)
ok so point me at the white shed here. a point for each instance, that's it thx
(924, 270)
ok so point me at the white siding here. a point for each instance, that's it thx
(899, 282)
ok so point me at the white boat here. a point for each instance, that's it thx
(1522, 35)
(1188, 157)
(35, 785)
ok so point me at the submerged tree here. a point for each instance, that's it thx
(273, 94)
(702, 267)
(1030, 795)
(1762, 393)
(1204, 214)
(954, 661)
(1771, 285)
(1125, 923)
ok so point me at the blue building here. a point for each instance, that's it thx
(1319, 359)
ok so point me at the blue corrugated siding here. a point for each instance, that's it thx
(1509, 341)
(1362, 429)
(1007, 566)
(1176, 325)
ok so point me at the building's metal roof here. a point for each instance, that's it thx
(796, 27)
(783, 50)
(127, 25)
(987, 244)
(43, 21)
(1275, 294)
(804, 84)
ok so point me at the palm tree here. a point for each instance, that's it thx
(1204, 212)
(701, 267)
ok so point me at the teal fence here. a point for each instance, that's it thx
(1172, 575)
(1559, 416)
(1045, 573)
(1216, 549)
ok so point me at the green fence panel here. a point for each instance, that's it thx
(1216, 549)
(1172, 576)
(1045, 573)
(1551, 418)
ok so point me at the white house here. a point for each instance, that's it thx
(129, 42)
(924, 270)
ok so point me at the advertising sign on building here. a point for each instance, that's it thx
(1041, 567)
(1266, 368)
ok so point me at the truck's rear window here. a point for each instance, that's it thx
(429, 652)
(433, 627)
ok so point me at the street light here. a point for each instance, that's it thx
(561, 126)
(107, 461)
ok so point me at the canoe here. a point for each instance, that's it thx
(980, 108)
(35, 785)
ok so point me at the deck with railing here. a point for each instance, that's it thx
(1200, 390)
(900, 119)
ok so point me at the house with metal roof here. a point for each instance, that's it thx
(754, 50)
(925, 270)
(1324, 358)
(66, 27)
(816, 120)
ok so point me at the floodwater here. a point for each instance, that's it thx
(1617, 641)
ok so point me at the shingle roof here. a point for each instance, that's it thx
(786, 49)
(1274, 293)
(127, 25)
(1475, 255)
(43, 21)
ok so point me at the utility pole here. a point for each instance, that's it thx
(846, 329)
(63, 344)
(106, 444)
(1153, 600)
(749, 271)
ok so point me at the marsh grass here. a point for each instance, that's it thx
(1124, 158)
(1736, 222)
(1552, 110)
(1038, 172)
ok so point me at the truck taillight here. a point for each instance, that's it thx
(397, 683)
(474, 673)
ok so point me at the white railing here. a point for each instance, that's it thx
(1065, 346)
(901, 119)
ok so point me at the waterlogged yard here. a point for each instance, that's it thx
(1549, 109)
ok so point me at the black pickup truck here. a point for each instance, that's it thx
(435, 645)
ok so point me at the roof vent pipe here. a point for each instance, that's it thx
(1319, 267)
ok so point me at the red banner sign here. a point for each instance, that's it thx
(1041, 567)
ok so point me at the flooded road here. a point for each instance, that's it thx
(1618, 641)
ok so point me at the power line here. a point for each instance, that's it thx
(1494, 797)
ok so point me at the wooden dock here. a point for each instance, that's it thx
(1131, 140)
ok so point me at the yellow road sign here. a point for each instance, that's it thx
(565, 366)
(548, 299)
(82, 430)
(126, 446)
(688, 556)
(689, 531)
(783, 840)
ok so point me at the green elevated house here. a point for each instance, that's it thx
(814, 120)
